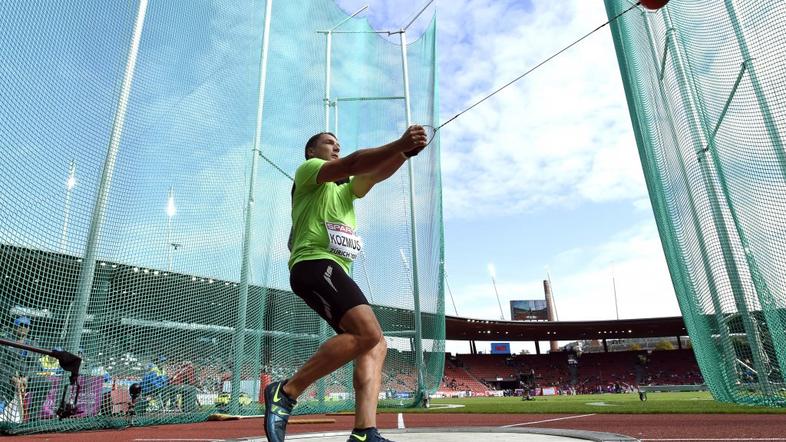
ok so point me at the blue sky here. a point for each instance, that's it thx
(545, 175)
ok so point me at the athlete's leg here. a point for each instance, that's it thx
(361, 334)
(367, 380)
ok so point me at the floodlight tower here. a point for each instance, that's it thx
(70, 184)
(493, 274)
(170, 213)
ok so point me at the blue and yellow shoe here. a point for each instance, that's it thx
(278, 407)
(367, 435)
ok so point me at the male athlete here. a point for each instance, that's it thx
(324, 243)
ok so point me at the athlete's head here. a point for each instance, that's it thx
(323, 145)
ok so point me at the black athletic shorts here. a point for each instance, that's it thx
(326, 288)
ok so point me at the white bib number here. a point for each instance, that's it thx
(343, 241)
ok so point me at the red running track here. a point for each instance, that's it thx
(647, 427)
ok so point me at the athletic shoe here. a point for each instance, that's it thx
(278, 407)
(370, 435)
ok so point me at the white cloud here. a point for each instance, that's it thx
(559, 136)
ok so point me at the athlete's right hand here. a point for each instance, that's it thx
(413, 140)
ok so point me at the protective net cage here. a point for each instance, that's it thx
(707, 97)
(145, 204)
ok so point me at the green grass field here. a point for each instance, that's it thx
(692, 402)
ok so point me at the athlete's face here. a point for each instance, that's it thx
(327, 148)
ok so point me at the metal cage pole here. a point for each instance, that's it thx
(709, 171)
(413, 219)
(761, 98)
(766, 296)
(328, 49)
(323, 330)
(723, 329)
(328, 60)
(413, 228)
(87, 274)
(240, 326)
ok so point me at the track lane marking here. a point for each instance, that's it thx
(548, 420)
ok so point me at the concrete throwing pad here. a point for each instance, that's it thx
(469, 434)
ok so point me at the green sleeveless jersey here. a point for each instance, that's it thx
(323, 219)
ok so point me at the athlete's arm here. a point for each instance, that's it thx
(366, 161)
(363, 183)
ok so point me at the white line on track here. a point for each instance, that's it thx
(547, 420)
(441, 406)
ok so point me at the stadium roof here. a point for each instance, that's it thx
(466, 329)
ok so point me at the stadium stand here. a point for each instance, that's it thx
(458, 379)
(597, 371)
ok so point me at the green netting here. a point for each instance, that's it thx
(130, 175)
(707, 97)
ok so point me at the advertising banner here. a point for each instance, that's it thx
(500, 348)
(89, 396)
